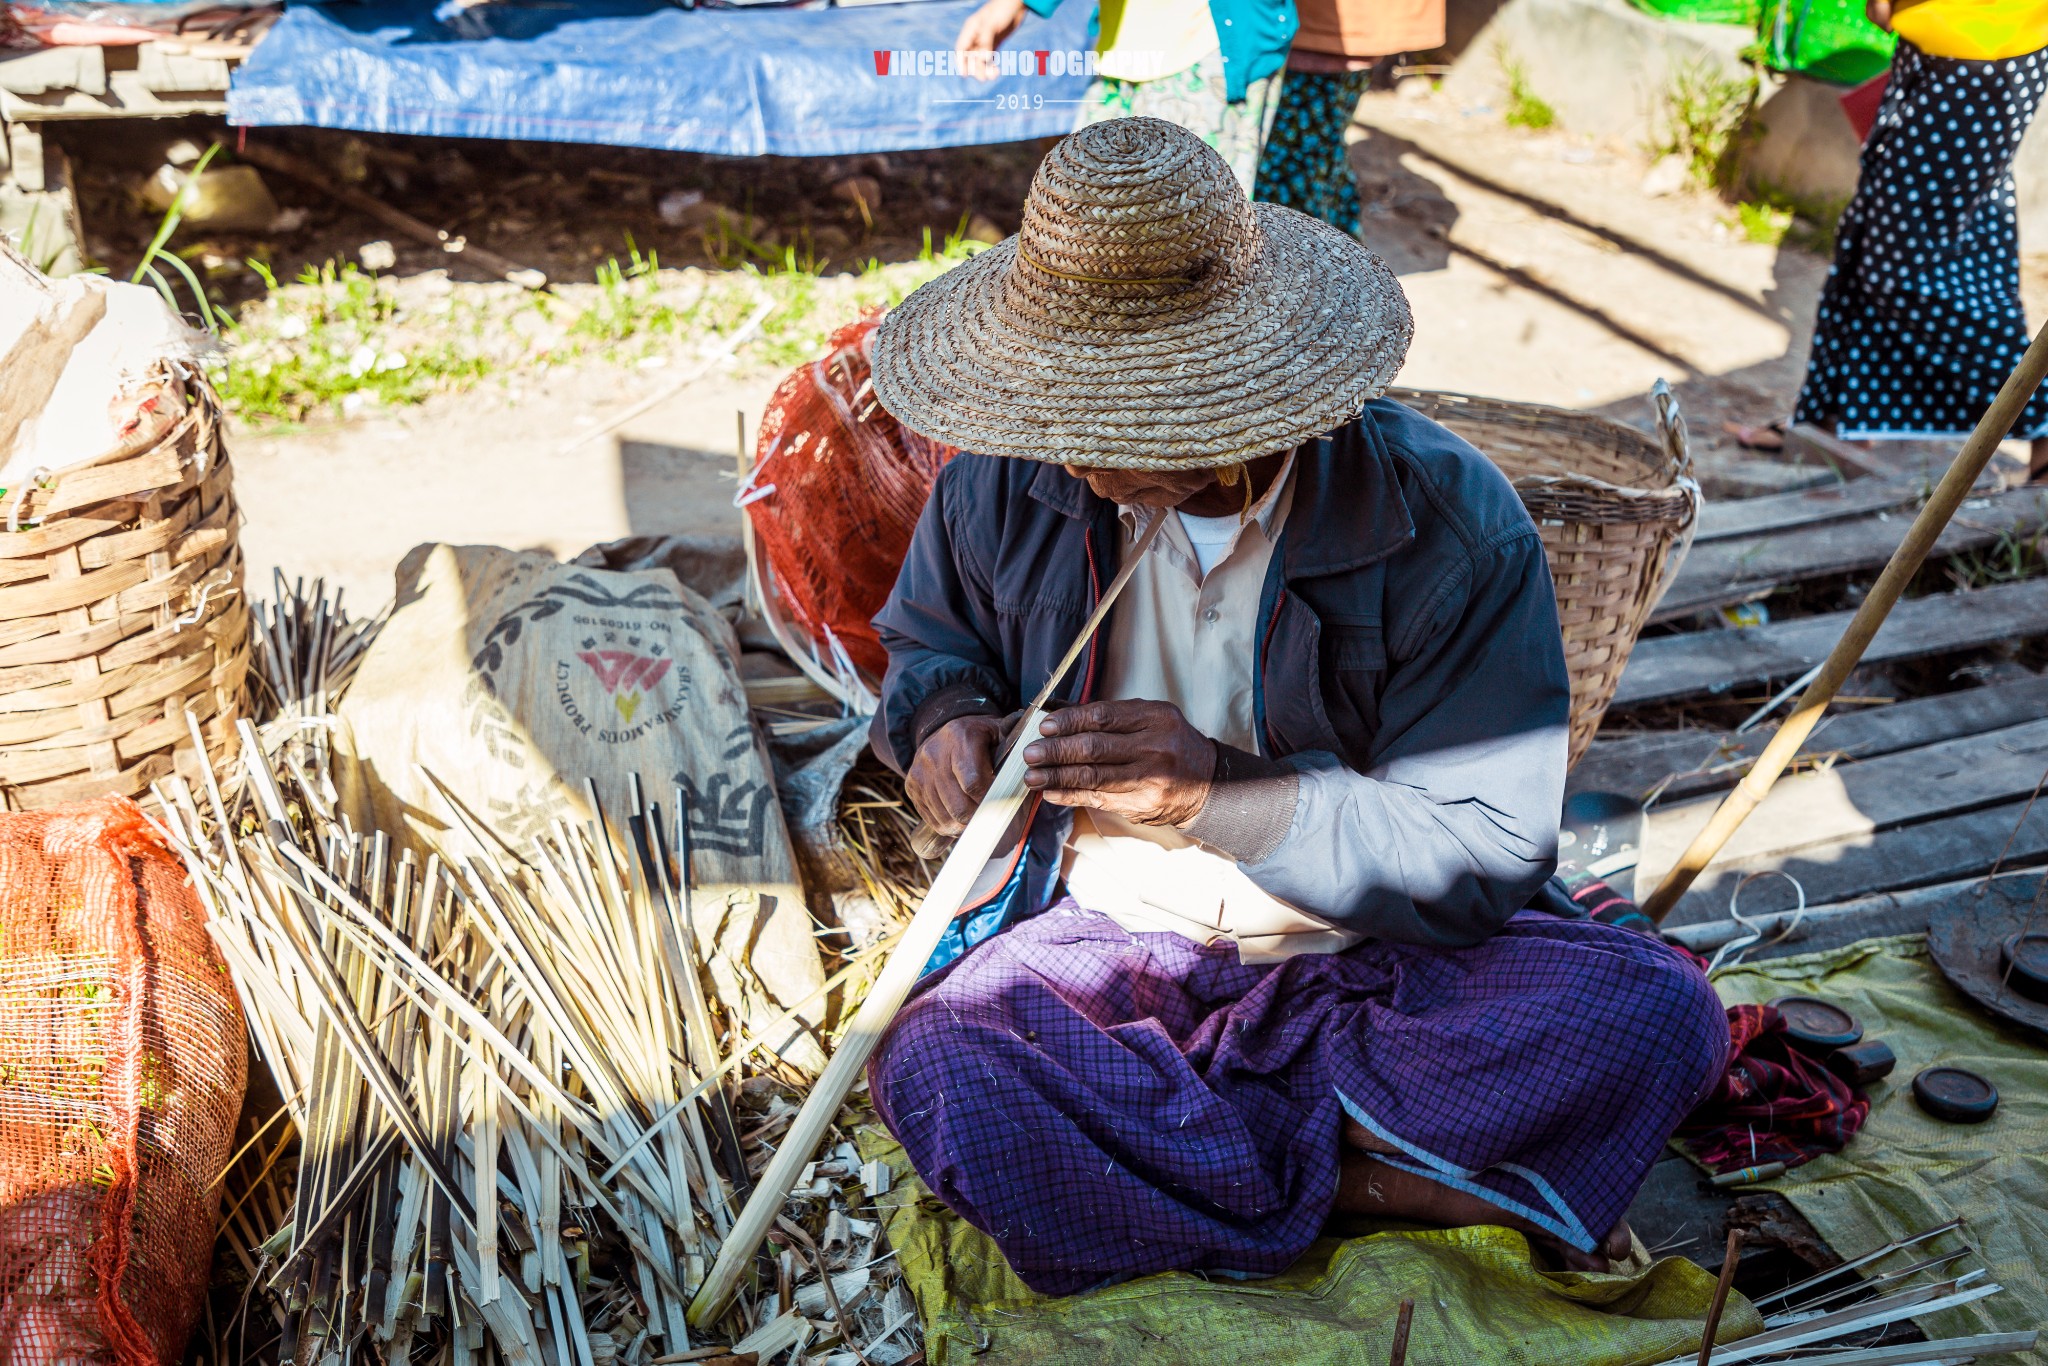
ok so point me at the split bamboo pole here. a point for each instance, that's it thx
(1934, 518)
(949, 892)
(976, 845)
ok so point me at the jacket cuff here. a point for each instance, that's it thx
(948, 704)
(1250, 806)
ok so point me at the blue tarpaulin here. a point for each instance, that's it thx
(635, 73)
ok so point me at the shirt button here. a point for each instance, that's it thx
(1211, 615)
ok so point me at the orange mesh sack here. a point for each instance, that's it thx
(121, 1071)
(836, 490)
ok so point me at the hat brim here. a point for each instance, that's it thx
(1318, 328)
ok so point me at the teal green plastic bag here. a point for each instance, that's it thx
(1830, 40)
(1746, 13)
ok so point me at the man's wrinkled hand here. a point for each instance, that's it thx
(1138, 760)
(952, 770)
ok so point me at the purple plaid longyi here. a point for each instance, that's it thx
(1106, 1104)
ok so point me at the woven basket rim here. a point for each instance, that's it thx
(1657, 454)
(145, 438)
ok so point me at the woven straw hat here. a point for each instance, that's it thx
(1146, 316)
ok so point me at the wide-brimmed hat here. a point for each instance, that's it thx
(1145, 316)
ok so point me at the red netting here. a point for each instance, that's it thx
(847, 484)
(122, 1063)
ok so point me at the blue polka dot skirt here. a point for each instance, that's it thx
(1920, 322)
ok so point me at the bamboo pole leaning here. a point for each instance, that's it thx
(1927, 527)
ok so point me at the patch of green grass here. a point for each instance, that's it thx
(329, 342)
(1526, 109)
(2009, 559)
(1814, 221)
(628, 302)
(1762, 223)
(1801, 220)
(340, 338)
(1706, 118)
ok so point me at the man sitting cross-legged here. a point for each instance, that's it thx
(1273, 943)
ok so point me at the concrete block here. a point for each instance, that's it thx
(2030, 172)
(42, 221)
(1604, 65)
(1803, 143)
(1607, 68)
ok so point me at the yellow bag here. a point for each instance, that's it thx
(1975, 30)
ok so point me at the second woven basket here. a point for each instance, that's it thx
(1616, 509)
(121, 612)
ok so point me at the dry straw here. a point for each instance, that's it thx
(519, 1128)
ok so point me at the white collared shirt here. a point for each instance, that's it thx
(1182, 635)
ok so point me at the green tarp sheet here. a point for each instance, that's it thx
(1830, 40)
(1906, 1171)
(1479, 1301)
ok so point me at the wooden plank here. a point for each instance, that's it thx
(1702, 663)
(40, 71)
(1812, 446)
(1912, 856)
(1726, 517)
(1841, 923)
(1855, 800)
(1714, 761)
(1737, 569)
(152, 80)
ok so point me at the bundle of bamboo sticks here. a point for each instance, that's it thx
(307, 647)
(518, 1127)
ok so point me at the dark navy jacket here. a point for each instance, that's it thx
(1410, 668)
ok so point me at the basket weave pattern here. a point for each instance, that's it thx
(121, 610)
(1610, 504)
(1145, 316)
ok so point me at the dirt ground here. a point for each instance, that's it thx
(1537, 266)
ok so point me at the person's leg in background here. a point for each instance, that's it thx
(1196, 100)
(1921, 320)
(1305, 165)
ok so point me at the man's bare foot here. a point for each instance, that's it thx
(1370, 1187)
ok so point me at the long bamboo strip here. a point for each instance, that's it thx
(949, 891)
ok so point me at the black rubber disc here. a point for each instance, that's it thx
(1814, 1024)
(2024, 964)
(1860, 1064)
(1955, 1094)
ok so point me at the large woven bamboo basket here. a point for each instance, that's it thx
(1616, 509)
(121, 611)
